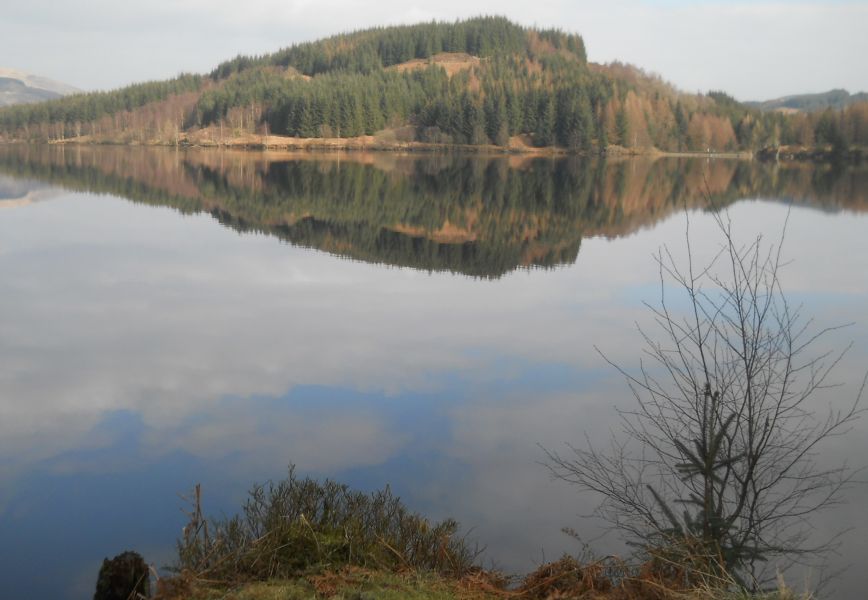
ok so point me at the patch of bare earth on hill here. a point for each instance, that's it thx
(452, 62)
(448, 233)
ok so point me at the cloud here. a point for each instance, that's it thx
(100, 316)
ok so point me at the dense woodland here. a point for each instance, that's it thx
(503, 80)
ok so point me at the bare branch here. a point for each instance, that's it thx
(723, 428)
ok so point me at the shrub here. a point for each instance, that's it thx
(298, 525)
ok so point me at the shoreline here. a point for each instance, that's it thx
(516, 147)
(258, 142)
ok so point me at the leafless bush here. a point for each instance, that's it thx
(720, 457)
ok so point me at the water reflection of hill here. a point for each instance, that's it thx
(472, 215)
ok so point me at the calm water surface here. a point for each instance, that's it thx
(169, 318)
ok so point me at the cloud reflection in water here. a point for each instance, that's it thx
(144, 351)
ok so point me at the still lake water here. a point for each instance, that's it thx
(170, 318)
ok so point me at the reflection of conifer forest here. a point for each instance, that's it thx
(481, 81)
(478, 216)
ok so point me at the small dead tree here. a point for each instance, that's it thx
(720, 458)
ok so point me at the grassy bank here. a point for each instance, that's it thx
(303, 538)
(352, 583)
(559, 580)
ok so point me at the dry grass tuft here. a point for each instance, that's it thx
(318, 529)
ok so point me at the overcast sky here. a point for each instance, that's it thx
(753, 50)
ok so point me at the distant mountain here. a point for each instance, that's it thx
(811, 102)
(22, 88)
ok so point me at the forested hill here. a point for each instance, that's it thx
(480, 81)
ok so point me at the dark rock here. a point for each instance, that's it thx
(125, 577)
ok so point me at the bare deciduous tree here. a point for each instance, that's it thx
(721, 454)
